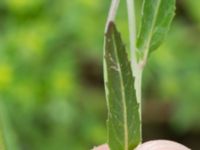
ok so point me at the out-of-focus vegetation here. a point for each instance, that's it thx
(51, 79)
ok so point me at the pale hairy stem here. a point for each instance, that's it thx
(137, 68)
(132, 32)
(112, 12)
(138, 87)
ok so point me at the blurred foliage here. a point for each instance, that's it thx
(51, 71)
(179, 74)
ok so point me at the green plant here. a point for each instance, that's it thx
(123, 80)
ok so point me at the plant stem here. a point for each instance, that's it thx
(112, 12)
(138, 87)
(137, 67)
(132, 33)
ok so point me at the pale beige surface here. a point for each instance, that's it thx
(153, 145)
(161, 145)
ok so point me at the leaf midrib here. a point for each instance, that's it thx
(123, 99)
(146, 50)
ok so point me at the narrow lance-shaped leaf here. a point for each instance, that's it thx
(123, 110)
(157, 16)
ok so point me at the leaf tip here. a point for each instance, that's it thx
(110, 27)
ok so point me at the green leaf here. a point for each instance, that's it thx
(123, 110)
(157, 16)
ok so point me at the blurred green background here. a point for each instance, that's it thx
(51, 78)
